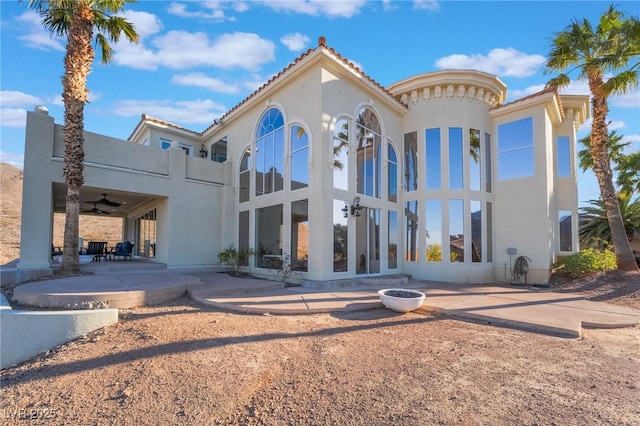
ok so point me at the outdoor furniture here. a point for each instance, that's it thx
(97, 249)
(123, 249)
(55, 251)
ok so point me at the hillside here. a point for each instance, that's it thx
(91, 227)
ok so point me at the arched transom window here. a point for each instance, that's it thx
(368, 152)
(269, 152)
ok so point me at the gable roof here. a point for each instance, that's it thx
(322, 48)
(146, 119)
(539, 94)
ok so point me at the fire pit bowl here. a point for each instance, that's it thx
(401, 299)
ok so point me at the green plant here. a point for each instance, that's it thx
(281, 268)
(236, 258)
(586, 261)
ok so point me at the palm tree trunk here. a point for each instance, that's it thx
(602, 169)
(77, 63)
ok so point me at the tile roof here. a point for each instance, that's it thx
(321, 44)
(551, 89)
(146, 117)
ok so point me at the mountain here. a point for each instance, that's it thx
(91, 227)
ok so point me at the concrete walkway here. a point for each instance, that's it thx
(523, 308)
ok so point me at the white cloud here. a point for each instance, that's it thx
(331, 9)
(191, 112)
(215, 10)
(13, 117)
(182, 49)
(12, 98)
(627, 100)
(295, 42)
(37, 36)
(616, 125)
(426, 4)
(206, 82)
(576, 87)
(634, 143)
(255, 82)
(144, 23)
(12, 158)
(502, 62)
(517, 94)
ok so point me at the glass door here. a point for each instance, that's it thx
(368, 242)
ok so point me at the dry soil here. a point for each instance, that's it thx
(182, 363)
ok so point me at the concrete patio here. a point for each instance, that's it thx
(528, 308)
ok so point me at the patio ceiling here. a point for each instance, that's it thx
(127, 200)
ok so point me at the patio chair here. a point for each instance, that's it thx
(55, 251)
(123, 249)
(96, 248)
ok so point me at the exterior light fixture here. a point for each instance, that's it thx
(356, 207)
(203, 151)
(345, 210)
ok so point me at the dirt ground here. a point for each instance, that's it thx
(182, 363)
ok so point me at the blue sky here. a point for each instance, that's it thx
(196, 60)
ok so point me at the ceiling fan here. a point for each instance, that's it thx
(105, 201)
(96, 210)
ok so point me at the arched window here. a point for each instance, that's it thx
(245, 176)
(340, 157)
(299, 158)
(392, 171)
(269, 161)
(368, 153)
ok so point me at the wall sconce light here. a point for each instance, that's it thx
(356, 207)
(345, 210)
(203, 151)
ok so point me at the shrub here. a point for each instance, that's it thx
(282, 268)
(236, 258)
(586, 261)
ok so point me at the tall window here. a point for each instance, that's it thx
(392, 238)
(299, 158)
(433, 156)
(410, 162)
(566, 232)
(300, 235)
(488, 168)
(269, 152)
(393, 175)
(268, 236)
(340, 158)
(474, 160)
(476, 230)
(145, 232)
(515, 149)
(369, 142)
(340, 238)
(245, 176)
(434, 230)
(456, 175)
(243, 230)
(411, 239)
(489, 232)
(456, 230)
(563, 156)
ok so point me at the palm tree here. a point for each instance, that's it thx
(629, 173)
(611, 47)
(76, 20)
(615, 148)
(594, 226)
(627, 166)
